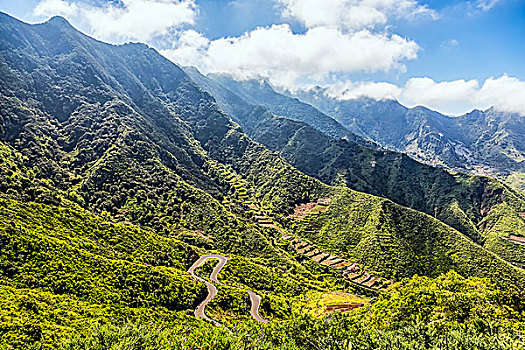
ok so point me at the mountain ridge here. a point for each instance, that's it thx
(479, 142)
(175, 108)
(118, 172)
(467, 143)
(454, 199)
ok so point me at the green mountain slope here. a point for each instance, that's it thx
(370, 229)
(58, 261)
(461, 201)
(449, 312)
(480, 142)
(261, 93)
(118, 171)
(163, 122)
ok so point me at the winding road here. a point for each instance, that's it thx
(212, 290)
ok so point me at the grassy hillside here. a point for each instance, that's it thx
(118, 172)
(134, 147)
(448, 312)
(386, 238)
(64, 270)
(138, 141)
(461, 201)
(71, 269)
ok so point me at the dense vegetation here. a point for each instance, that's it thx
(117, 172)
(448, 312)
(381, 236)
(480, 142)
(63, 269)
(463, 202)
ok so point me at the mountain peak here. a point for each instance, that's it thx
(59, 21)
(192, 69)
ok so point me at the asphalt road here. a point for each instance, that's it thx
(212, 290)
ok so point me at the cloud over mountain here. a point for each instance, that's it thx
(450, 97)
(320, 42)
(125, 20)
(278, 54)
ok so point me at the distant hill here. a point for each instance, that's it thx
(118, 170)
(261, 93)
(480, 142)
(460, 201)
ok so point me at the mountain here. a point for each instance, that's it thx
(460, 201)
(480, 142)
(118, 171)
(261, 93)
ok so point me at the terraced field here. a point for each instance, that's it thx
(514, 239)
(301, 210)
(350, 271)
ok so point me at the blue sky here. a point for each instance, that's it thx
(451, 56)
(484, 43)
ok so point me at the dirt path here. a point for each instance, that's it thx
(212, 290)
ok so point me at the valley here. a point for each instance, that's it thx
(147, 205)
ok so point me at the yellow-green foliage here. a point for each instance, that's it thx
(84, 230)
(63, 269)
(71, 263)
(394, 241)
(240, 271)
(445, 313)
(11, 176)
(230, 303)
(29, 316)
(45, 256)
(454, 216)
(502, 222)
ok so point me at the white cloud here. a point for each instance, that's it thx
(351, 14)
(506, 93)
(281, 56)
(55, 7)
(450, 97)
(126, 20)
(486, 5)
(190, 50)
(338, 39)
(350, 91)
(274, 53)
